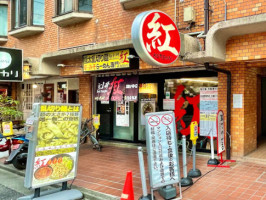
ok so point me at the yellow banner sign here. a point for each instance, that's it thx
(106, 61)
(26, 72)
(59, 108)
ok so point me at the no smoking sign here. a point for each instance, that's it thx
(154, 120)
(167, 119)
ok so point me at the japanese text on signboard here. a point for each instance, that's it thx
(156, 39)
(10, 64)
(121, 86)
(56, 145)
(163, 158)
(220, 132)
(208, 110)
(106, 61)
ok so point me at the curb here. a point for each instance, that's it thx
(88, 194)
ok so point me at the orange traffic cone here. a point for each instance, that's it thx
(128, 192)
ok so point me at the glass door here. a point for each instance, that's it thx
(105, 109)
(148, 100)
(27, 99)
(124, 120)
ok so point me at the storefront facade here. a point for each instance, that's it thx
(235, 42)
(49, 90)
(156, 92)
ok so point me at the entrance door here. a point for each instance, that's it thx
(263, 107)
(124, 120)
(48, 93)
(105, 109)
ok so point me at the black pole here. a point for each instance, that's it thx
(37, 192)
(228, 117)
(206, 16)
(64, 185)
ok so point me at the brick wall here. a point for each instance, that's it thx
(85, 95)
(244, 121)
(246, 47)
(114, 23)
(250, 110)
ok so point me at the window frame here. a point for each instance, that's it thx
(5, 5)
(29, 20)
(75, 8)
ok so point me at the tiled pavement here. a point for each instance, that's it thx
(105, 172)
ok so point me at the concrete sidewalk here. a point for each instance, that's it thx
(101, 175)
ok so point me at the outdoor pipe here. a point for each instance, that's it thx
(206, 16)
(228, 116)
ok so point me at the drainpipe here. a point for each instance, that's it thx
(225, 10)
(175, 13)
(228, 116)
(206, 16)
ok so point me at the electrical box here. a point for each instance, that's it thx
(189, 14)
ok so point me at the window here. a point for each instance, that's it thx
(27, 17)
(67, 6)
(69, 12)
(85, 5)
(3, 20)
(38, 12)
(21, 12)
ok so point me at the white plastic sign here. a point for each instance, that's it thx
(162, 149)
(220, 132)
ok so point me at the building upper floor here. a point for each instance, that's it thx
(39, 26)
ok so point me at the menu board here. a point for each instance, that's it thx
(122, 113)
(54, 144)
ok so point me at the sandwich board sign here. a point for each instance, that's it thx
(53, 144)
(163, 160)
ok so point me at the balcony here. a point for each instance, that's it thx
(128, 4)
(26, 31)
(71, 18)
(3, 40)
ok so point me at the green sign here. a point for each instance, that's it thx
(11, 65)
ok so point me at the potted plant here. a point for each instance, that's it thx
(8, 109)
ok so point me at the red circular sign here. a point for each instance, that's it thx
(154, 120)
(167, 119)
(156, 38)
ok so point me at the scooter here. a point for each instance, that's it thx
(19, 153)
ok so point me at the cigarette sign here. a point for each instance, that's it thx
(162, 149)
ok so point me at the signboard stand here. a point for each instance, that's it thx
(163, 160)
(145, 195)
(212, 160)
(194, 173)
(185, 181)
(220, 141)
(53, 133)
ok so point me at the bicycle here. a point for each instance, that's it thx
(87, 129)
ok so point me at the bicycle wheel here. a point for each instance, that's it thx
(83, 132)
(87, 129)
